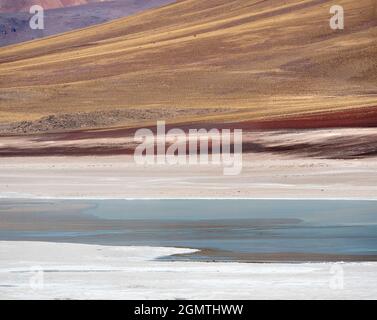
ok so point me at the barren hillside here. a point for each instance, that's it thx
(264, 59)
(14, 27)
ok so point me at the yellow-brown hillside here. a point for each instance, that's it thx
(269, 58)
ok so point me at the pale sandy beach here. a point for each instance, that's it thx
(264, 175)
(36, 270)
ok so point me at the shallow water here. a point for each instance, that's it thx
(249, 230)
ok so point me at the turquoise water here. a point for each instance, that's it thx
(230, 226)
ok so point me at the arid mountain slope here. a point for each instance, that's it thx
(273, 58)
(14, 27)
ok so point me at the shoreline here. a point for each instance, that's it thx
(264, 176)
(219, 256)
(203, 255)
(6, 197)
(100, 198)
(76, 271)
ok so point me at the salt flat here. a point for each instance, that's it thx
(76, 271)
(264, 175)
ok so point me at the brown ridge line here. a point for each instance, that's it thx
(367, 117)
(352, 118)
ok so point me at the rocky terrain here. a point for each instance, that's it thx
(96, 119)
